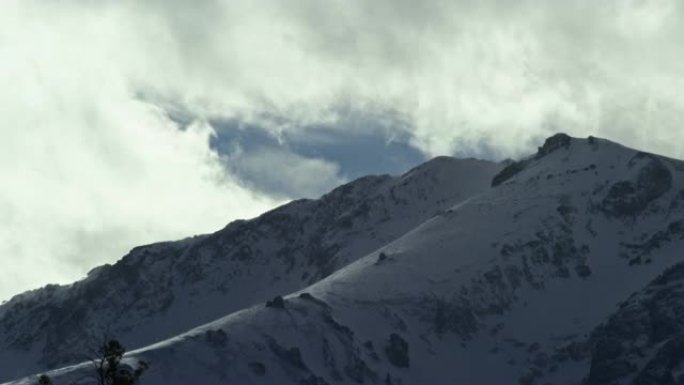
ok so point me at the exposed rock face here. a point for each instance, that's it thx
(277, 302)
(554, 143)
(508, 172)
(644, 340)
(650, 180)
(397, 351)
(551, 144)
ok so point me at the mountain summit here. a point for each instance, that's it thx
(561, 268)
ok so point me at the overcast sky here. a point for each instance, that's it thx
(126, 122)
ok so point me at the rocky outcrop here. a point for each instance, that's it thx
(650, 180)
(553, 143)
(644, 339)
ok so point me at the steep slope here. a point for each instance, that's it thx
(642, 343)
(160, 290)
(525, 283)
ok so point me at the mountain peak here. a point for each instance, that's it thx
(551, 146)
(554, 143)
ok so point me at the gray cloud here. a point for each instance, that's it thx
(458, 72)
(313, 159)
(105, 104)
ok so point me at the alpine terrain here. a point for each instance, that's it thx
(561, 268)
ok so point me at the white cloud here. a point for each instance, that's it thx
(85, 162)
(460, 72)
(87, 170)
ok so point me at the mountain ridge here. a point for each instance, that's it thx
(280, 251)
(559, 274)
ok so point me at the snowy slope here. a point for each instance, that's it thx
(161, 290)
(566, 272)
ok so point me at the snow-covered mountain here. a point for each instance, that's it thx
(161, 290)
(567, 270)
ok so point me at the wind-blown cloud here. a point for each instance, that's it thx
(94, 157)
(89, 171)
(491, 73)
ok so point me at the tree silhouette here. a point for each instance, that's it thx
(109, 370)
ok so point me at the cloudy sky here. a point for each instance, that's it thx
(125, 122)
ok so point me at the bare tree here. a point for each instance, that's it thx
(109, 370)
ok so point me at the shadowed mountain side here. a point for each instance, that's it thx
(160, 290)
